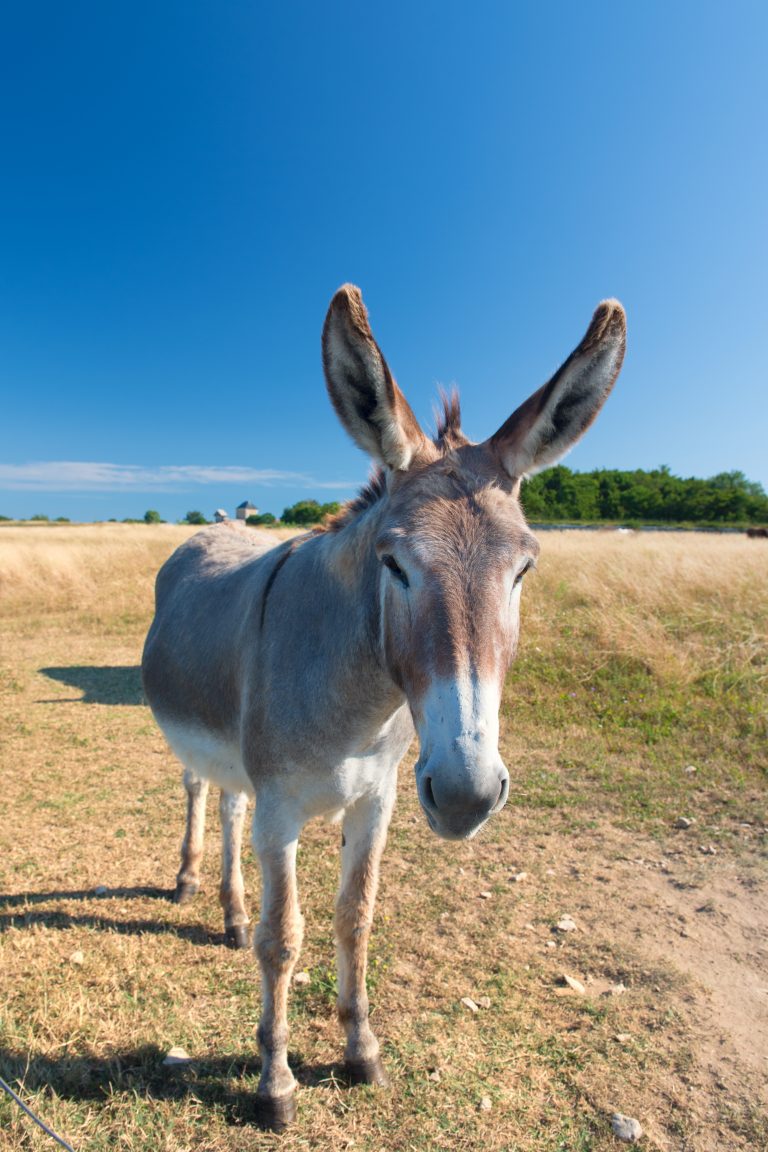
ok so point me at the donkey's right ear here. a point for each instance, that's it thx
(368, 401)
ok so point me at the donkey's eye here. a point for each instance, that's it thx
(526, 568)
(390, 562)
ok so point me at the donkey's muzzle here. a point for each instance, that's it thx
(457, 805)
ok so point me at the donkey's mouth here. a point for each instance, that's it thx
(464, 829)
(457, 825)
(453, 816)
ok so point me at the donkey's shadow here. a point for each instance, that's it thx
(229, 1081)
(120, 684)
(15, 912)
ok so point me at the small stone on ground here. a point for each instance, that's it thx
(468, 1002)
(625, 1128)
(575, 984)
(301, 978)
(176, 1056)
(566, 924)
(485, 1104)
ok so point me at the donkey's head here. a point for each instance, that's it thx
(454, 546)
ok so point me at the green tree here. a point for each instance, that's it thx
(655, 497)
(307, 512)
(152, 517)
(261, 518)
(194, 518)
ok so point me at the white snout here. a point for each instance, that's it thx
(460, 776)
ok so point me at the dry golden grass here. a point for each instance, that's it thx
(641, 655)
(105, 568)
(660, 599)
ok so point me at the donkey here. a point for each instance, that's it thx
(298, 674)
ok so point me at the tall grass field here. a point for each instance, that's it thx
(635, 729)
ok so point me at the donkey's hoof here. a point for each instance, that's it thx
(366, 1072)
(185, 890)
(275, 1113)
(237, 936)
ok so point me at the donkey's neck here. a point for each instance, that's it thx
(346, 577)
(353, 572)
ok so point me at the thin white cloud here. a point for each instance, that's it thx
(84, 476)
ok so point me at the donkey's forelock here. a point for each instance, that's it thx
(448, 437)
(449, 432)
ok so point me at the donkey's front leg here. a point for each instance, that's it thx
(278, 940)
(188, 878)
(232, 809)
(363, 839)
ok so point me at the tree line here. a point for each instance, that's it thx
(655, 497)
(602, 496)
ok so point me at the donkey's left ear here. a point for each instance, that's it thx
(366, 398)
(550, 421)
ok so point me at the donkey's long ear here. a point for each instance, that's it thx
(368, 401)
(550, 421)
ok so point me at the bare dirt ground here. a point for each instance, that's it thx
(702, 919)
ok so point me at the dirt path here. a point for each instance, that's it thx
(702, 918)
(715, 931)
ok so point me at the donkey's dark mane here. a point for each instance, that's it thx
(368, 495)
(447, 437)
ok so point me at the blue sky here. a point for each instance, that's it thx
(184, 186)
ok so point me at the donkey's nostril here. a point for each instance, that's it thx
(501, 799)
(429, 796)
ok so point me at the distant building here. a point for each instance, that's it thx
(220, 516)
(245, 510)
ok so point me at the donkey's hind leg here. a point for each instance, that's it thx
(364, 836)
(232, 809)
(188, 879)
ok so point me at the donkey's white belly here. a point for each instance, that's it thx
(207, 754)
(315, 789)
